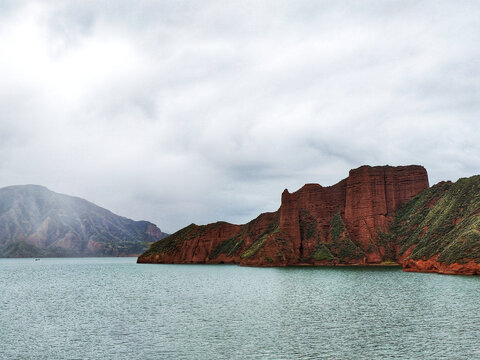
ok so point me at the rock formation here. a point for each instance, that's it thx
(439, 230)
(35, 222)
(377, 215)
(345, 223)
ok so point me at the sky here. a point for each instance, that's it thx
(196, 111)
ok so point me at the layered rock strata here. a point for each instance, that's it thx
(336, 225)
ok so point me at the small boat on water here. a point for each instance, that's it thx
(37, 259)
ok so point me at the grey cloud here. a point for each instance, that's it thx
(187, 111)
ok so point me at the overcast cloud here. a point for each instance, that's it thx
(196, 111)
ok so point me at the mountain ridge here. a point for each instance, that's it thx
(35, 221)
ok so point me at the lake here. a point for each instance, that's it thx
(113, 308)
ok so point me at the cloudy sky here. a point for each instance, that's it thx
(196, 111)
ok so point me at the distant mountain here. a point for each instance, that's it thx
(37, 222)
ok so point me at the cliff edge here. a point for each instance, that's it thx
(316, 225)
(377, 215)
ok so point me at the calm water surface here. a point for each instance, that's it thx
(112, 308)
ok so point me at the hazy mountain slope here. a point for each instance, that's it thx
(35, 221)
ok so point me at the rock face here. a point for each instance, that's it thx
(439, 230)
(341, 224)
(35, 222)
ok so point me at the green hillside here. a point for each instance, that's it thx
(443, 220)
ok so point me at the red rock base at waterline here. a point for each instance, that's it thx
(470, 267)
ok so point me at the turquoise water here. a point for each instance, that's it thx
(112, 308)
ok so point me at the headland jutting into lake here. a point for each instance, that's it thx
(377, 215)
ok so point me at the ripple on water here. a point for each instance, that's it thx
(112, 308)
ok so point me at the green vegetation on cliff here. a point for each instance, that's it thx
(443, 220)
(342, 246)
(170, 243)
(229, 246)
(321, 252)
(235, 244)
(308, 225)
(261, 240)
(257, 245)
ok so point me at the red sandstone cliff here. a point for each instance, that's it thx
(338, 224)
(373, 195)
